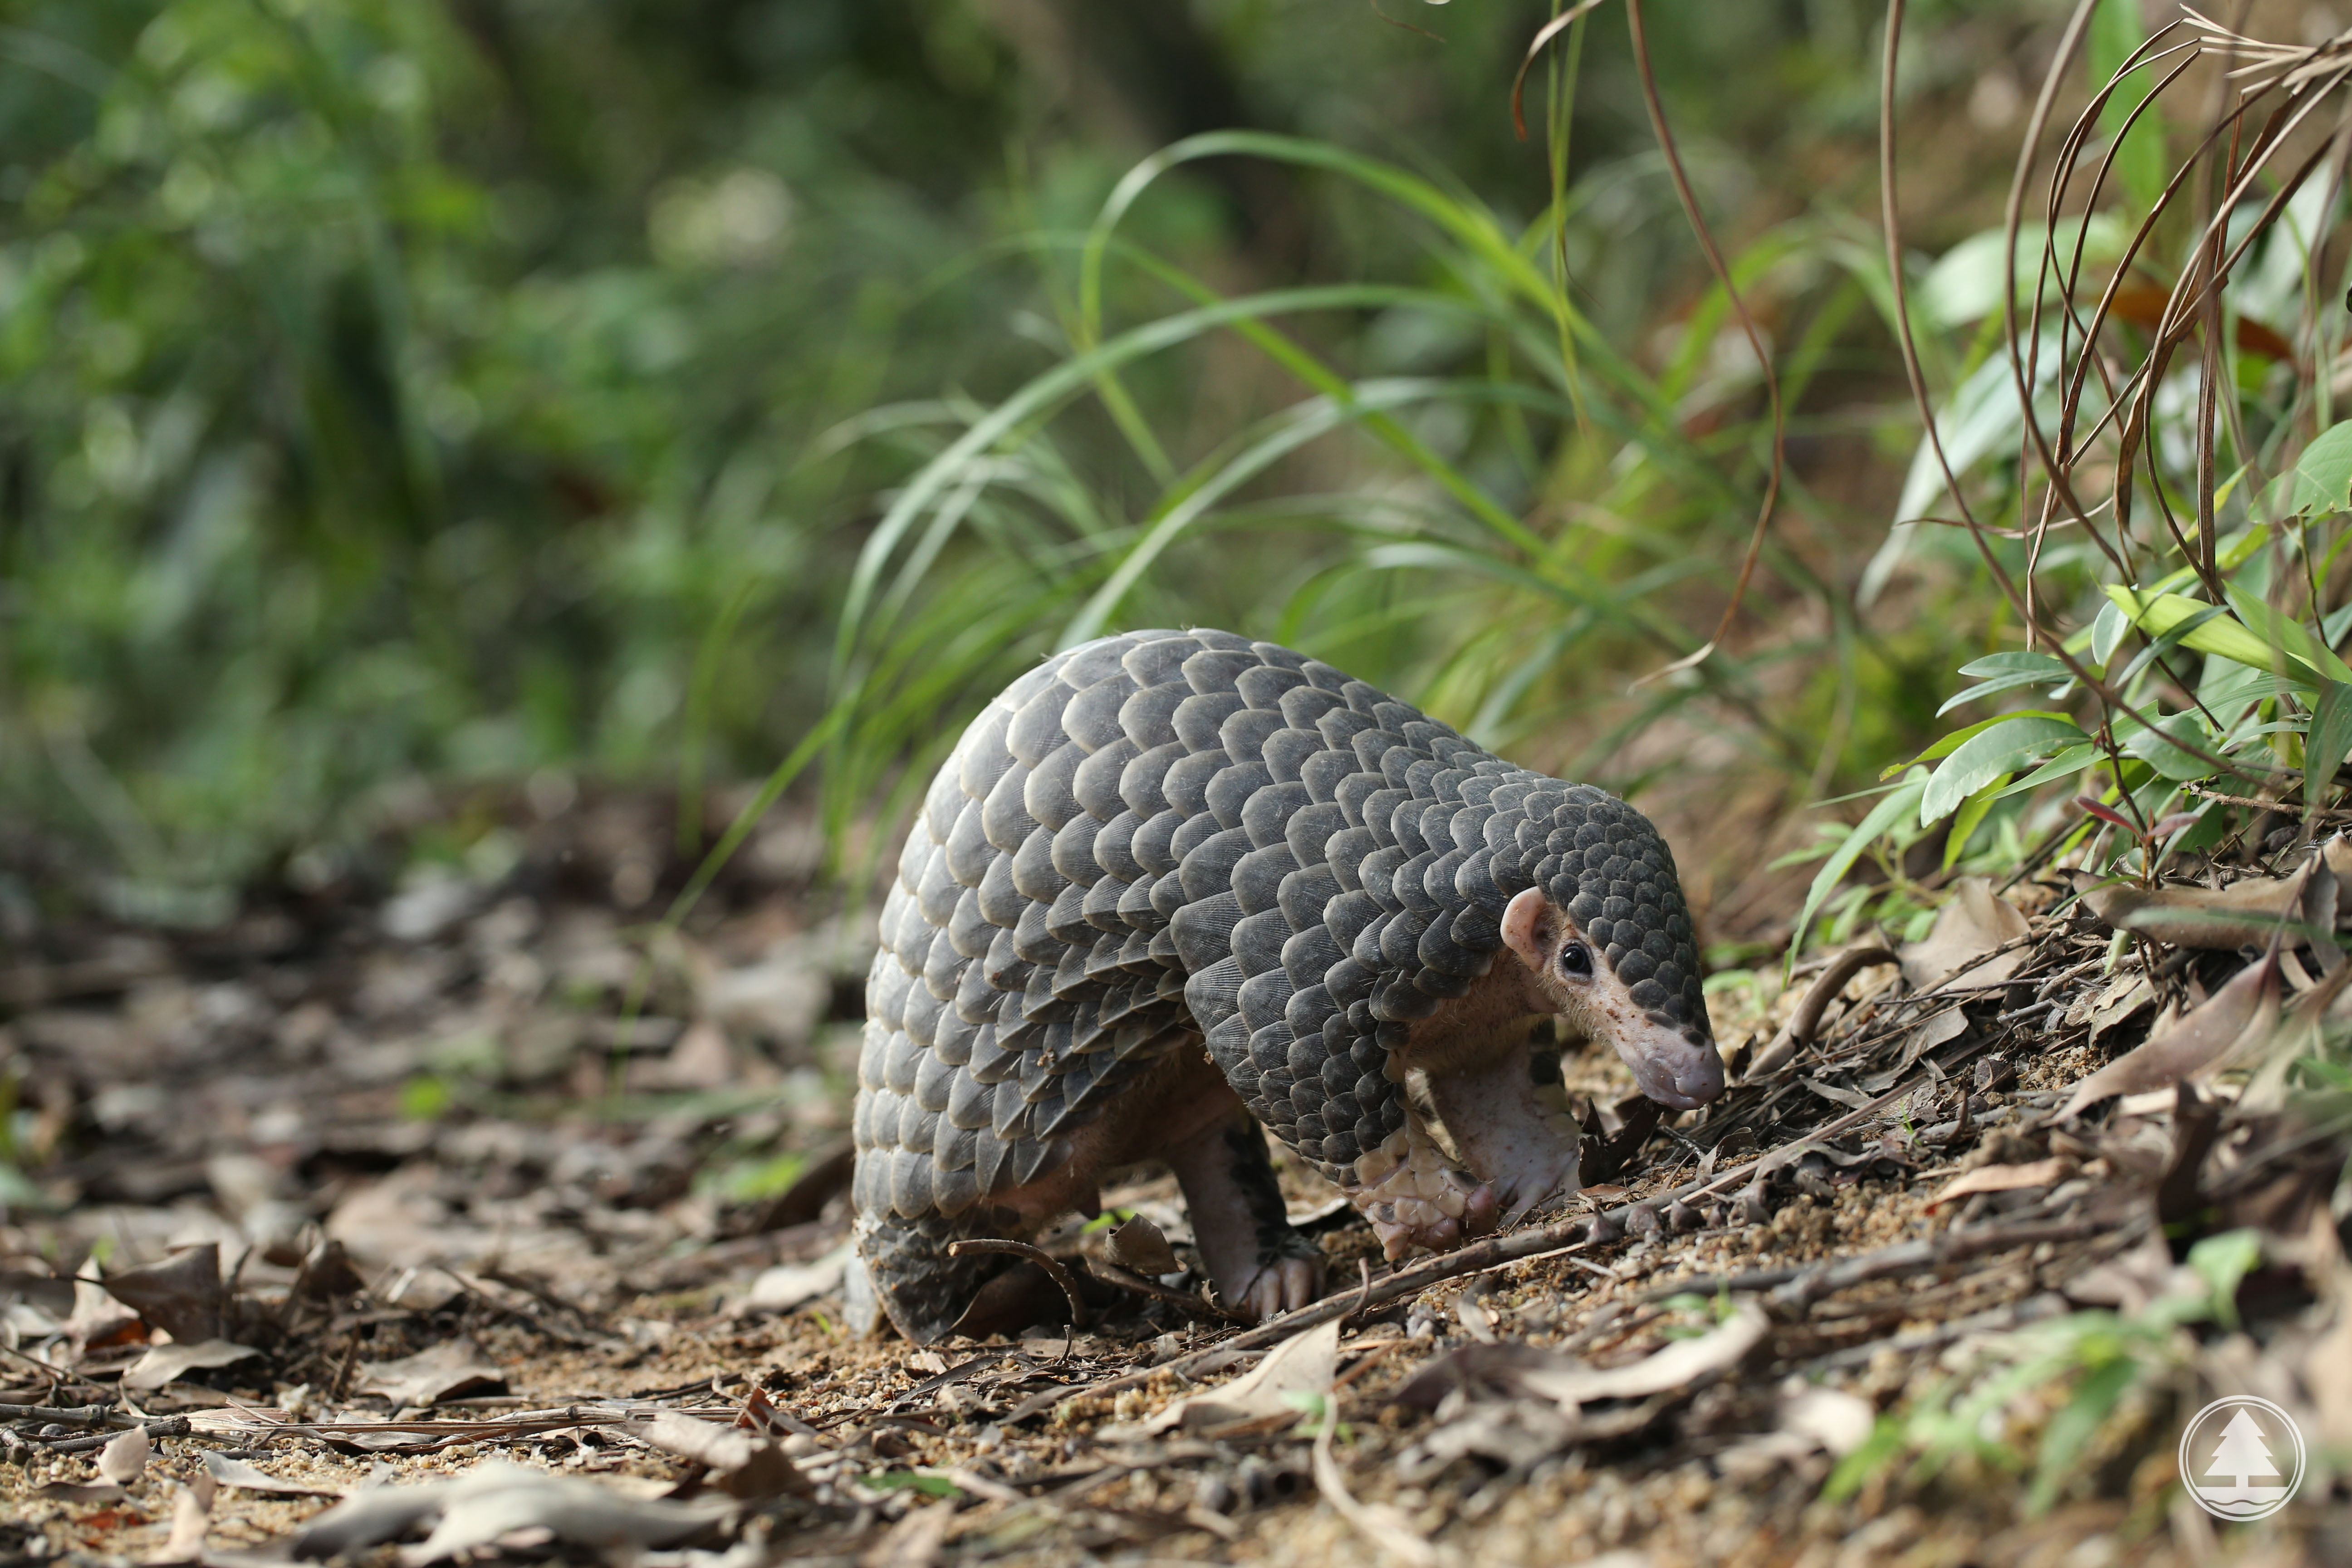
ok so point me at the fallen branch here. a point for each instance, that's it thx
(1112, 1274)
(1917, 1257)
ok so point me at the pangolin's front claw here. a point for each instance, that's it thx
(1282, 1284)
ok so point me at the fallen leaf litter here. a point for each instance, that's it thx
(330, 1314)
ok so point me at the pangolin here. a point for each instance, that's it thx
(1172, 888)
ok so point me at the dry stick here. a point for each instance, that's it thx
(1817, 999)
(105, 1415)
(169, 1427)
(1112, 1274)
(1916, 1256)
(2326, 813)
(1516, 1247)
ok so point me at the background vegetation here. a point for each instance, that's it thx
(399, 398)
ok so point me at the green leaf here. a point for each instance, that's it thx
(2071, 761)
(2287, 633)
(2107, 633)
(2070, 1432)
(1960, 737)
(1998, 749)
(2018, 663)
(2222, 1262)
(1877, 1451)
(1971, 815)
(2322, 474)
(427, 1096)
(1991, 688)
(2323, 749)
(1894, 808)
(2158, 614)
(2159, 750)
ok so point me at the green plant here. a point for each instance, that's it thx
(2165, 513)
(2068, 1379)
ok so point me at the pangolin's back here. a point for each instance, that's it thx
(1163, 835)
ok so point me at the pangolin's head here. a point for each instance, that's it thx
(1608, 939)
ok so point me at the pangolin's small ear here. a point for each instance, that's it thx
(1523, 927)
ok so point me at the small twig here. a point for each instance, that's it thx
(1807, 1019)
(169, 1427)
(66, 1415)
(1112, 1274)
(1051, 1266)
(1730, 287)
(60, 1373)
(1364, 1294)
(1917, 1257)
(2330, 813)
(1718, 1284)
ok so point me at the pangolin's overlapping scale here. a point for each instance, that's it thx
(1165, 837)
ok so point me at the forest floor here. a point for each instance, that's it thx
(435, 1222)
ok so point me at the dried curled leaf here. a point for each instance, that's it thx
(2246, 1009)
(1959, 952)
(1305, 1364)
(1526, 1372)
(2004, 1179)
(748, 1465)
(2246, 913)
(493, 1498)
(1139, 1244)
(442, 1372)
(122, 1460)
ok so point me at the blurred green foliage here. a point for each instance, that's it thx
(394, 393)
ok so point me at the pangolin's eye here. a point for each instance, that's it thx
(1576, 960)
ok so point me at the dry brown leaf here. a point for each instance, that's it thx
(1305, 1364)
(124, 1459)
(164, 1364)
(236, 1473)
(192, 1520)
(1383, 1525)
(1957, 954)
(1141, 1246)
(99, 1320)
(182, 1295)
(2003, 1179)
(2247, 1008)
(2126, 998)
(791, 1285)
(2243, 914)
(1681, 1365)
(493, 1498)
(748, 1465)
(1526, 1371)
(444, 1371)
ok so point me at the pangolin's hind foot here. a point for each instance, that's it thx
(1260, 1265)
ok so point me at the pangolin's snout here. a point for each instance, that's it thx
(1676, 1067)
